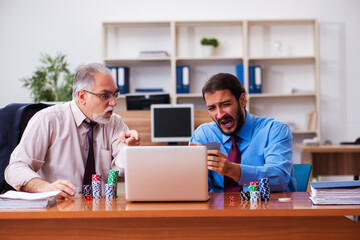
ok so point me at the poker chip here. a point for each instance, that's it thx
(245, 196)
(87, 190)
(96, 177)
(112, 179)
(96, 189)
(113, 175)
(255, 196)
(110, 191)
(254, 183)
(253, 188)
(264, 189)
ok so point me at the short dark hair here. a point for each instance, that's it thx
(222, 81)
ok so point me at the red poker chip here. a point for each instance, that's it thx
(96, 177)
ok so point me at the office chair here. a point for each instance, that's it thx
(13, 120)
(302, 174)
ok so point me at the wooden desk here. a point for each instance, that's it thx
(218, 218)
(331, 159)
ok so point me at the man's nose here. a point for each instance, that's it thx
(112, 101)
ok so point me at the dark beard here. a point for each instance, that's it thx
(240, 121)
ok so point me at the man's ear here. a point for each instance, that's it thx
(81, 97)
(243, 100)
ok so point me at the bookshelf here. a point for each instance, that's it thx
(285, 49)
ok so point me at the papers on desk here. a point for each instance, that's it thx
(15, 199)
(345, 192)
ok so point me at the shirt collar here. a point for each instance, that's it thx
(245, 131)
(79, 116)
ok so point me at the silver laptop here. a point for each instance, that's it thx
(166, 173)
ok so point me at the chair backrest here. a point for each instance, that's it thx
(302, 174)
(13, 120)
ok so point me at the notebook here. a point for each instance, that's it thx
(166, 173)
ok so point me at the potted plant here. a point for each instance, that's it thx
(51, 82)
(208, 46)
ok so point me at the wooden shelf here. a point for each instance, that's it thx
(286, 49)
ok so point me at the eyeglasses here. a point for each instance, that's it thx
(105, 96)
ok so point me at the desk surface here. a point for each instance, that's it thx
(219, 218)
(219, 205)
(328, 148)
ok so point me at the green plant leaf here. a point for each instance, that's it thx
(52, 81)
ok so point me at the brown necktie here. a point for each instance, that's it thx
(90, 162)
(230, 185)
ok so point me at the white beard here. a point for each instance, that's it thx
(100, 118)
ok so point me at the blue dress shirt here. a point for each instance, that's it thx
(266, 152)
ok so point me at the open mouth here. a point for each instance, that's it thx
(108, 112)
(227, 122)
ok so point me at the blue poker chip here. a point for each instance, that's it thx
(110, 191)
(96, 189)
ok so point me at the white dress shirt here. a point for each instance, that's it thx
(55, 146)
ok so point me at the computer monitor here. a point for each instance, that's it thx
(143, 102)
(172, 123)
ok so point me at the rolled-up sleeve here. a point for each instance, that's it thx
(28, 157)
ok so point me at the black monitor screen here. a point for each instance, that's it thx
(172, 123)
(143, 102)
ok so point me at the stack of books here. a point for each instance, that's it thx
(344, 192)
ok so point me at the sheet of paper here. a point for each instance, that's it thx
(28, 196)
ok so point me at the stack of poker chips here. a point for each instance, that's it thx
(110, 190)
(265, 189)
(112, 179)
(255, 195)
(96, 186)
(87, 192)
(245, 196)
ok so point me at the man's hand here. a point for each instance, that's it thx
(217, 161)
(36, 185)
(130, 138)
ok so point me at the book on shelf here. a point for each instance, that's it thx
(182, 79)
(156, 53)
(240, 73)
(148, 90)
(255, 79)
(17, 199)
(311, 120)
(342, 192)
(121, 75)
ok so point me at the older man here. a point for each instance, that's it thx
(64, 144)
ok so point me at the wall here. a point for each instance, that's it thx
(28, 28)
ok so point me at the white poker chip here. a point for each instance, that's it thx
(284, 199)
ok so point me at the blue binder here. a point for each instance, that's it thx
(113, 71)
(251, 79)
(258, 78)
(123, 75)
(183, 79)
(240, 73)
(179, 88)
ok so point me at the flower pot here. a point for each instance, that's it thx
(207, 50)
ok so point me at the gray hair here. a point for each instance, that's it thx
(84, 77)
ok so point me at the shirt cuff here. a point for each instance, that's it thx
(248, 174)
